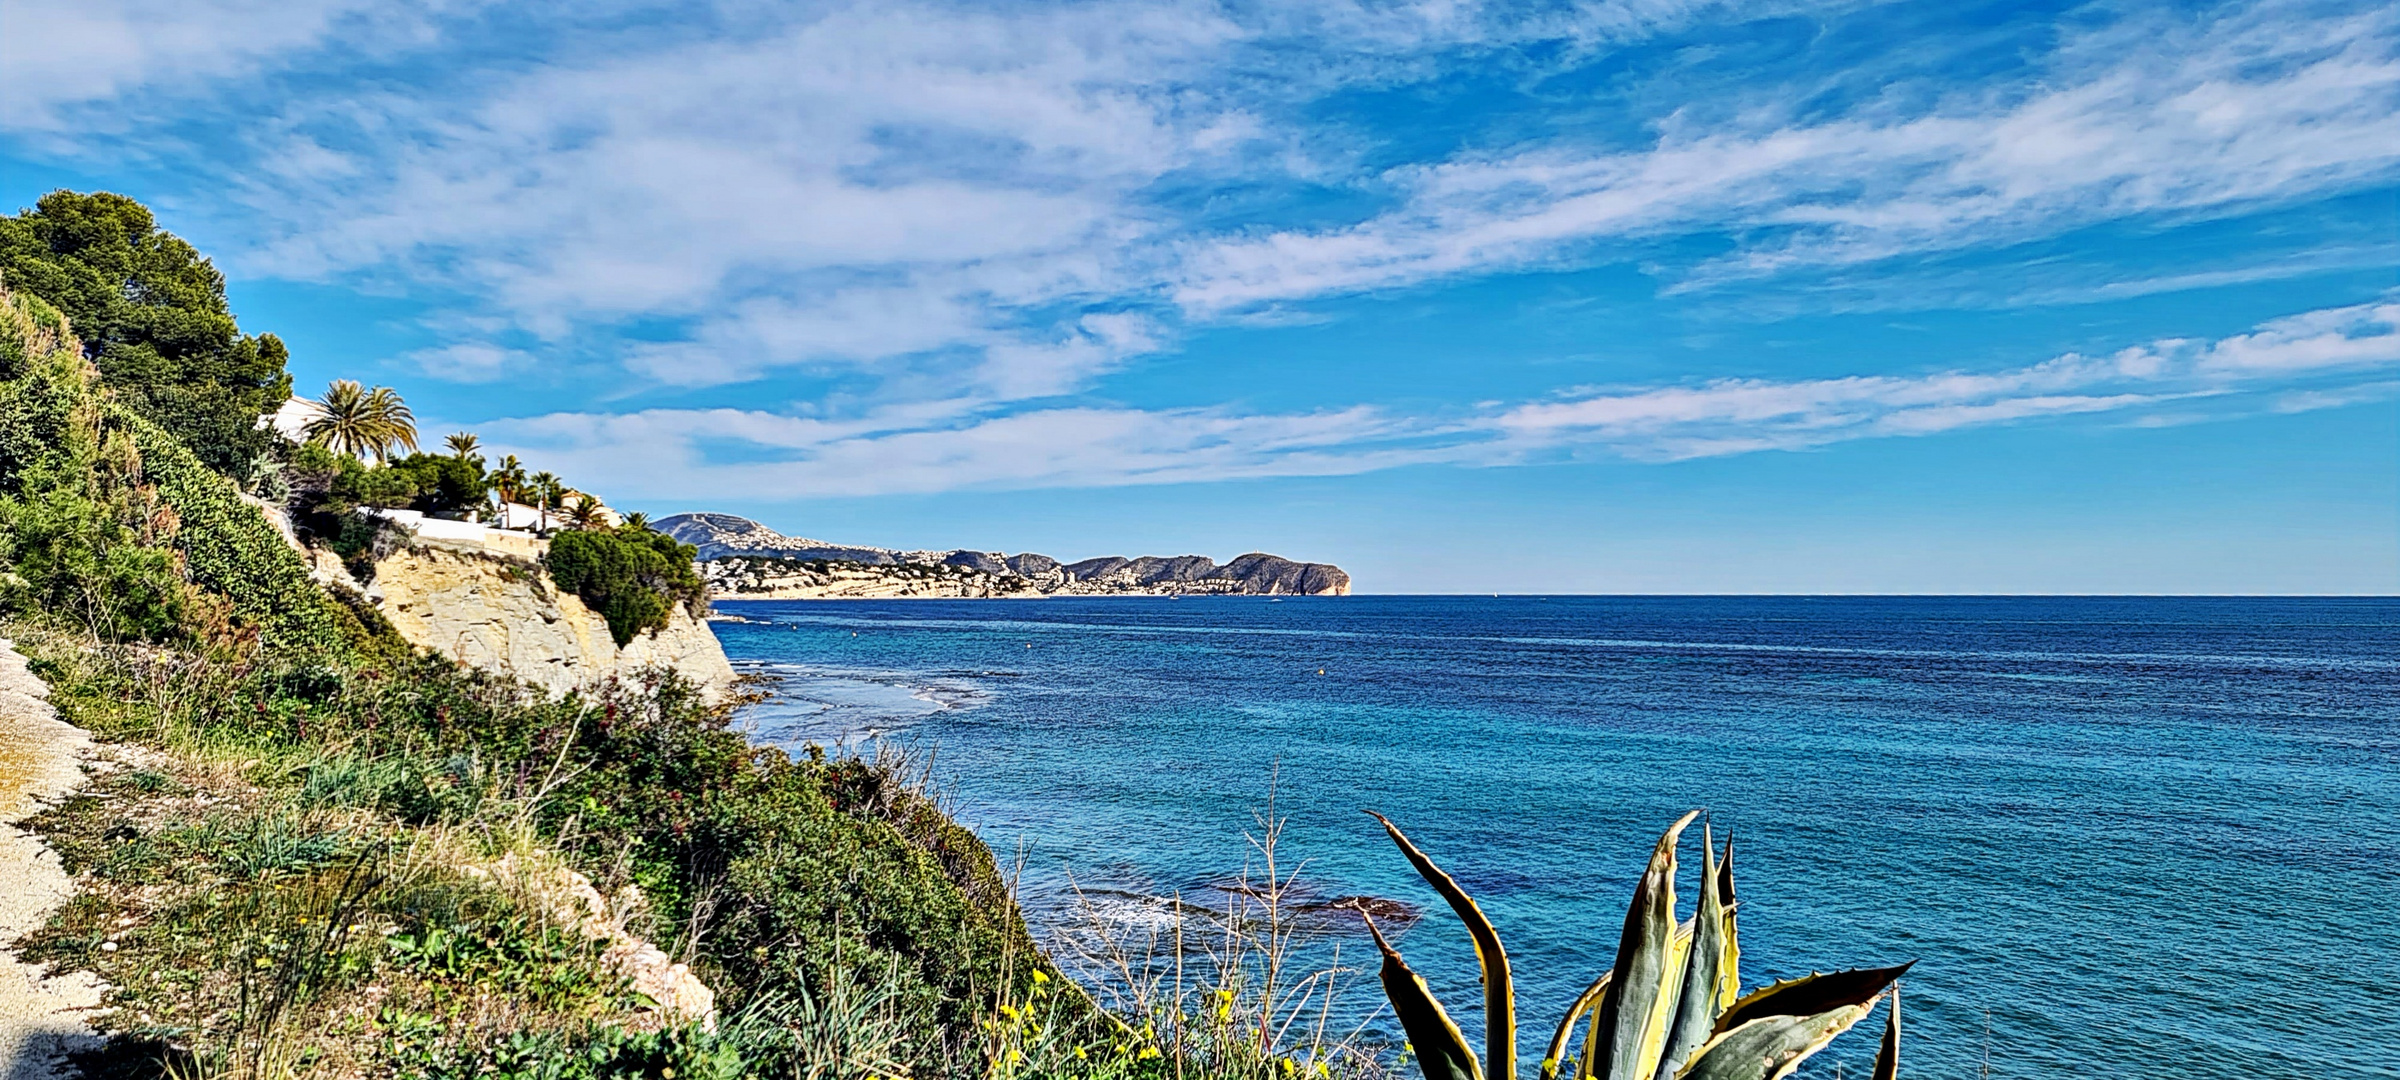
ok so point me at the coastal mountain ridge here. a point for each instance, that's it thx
(742, 558)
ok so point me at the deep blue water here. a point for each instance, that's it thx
(2150, 837)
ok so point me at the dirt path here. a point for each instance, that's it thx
(39, 761)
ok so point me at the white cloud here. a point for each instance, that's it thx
(958, 206)
(59, 58)
(2270, 104)
(662, 454)
(862, 184)
(931, 446)
(470, 361)
(2329, 338)
(1742, 415)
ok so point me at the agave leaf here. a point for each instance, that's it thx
(1770, 1047)
(1589, 1003)
(1887, 1060)
(1593, 1044)
(1697, 1006)
(1566, 1027)
(1640, 1002)
(1499, 993)
(1729, 969)
(1442, 1050)
(1811, 994)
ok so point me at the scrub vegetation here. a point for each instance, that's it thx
(311, 850)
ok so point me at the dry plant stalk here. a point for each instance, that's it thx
(1216, 991)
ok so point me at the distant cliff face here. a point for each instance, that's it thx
(744, 559)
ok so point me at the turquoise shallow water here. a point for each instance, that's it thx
(2135, 837)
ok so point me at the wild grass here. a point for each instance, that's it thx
(291, 872)
(267, 903)
(1247, 991)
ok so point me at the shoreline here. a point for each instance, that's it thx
(753, 598)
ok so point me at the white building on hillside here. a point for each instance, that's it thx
(291, 421)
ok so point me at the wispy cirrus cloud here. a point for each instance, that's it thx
(2253, 371)
(680, 454)
(2145, 118)
(58, 56)
(958, 213)
(849, 187)
(2320, 359)
(908, 190)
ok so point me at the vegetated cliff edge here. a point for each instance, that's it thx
(743, 559)
(504, 615)
(489, 606)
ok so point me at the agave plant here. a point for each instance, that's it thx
(1671, 1008)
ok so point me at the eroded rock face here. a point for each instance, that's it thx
(1258, 572)
(506, 616)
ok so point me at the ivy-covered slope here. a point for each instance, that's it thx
(229, 548)
(97, 502)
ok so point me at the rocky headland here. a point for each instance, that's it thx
(742, 559)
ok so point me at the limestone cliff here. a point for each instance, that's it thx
(504, 615)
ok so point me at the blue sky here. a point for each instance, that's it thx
(1637, 296)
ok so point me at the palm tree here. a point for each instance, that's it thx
(636, 522)
(584, 513)
(546, 491)
(509, 479)
(463, 446)
(354, 420)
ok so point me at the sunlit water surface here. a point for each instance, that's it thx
(2121, 837)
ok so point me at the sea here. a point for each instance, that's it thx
(2119, 837)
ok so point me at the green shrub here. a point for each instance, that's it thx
(797, 877)
(78, 532)
(632, 577)
(105, 517)
(229, 548)
(70, 557)
(442, 484)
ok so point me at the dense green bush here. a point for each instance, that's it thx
(444, 484)
(802, 866)
(69, 557)
(107, 520)
(229, 548)
(789, 875)
(326, 489)
(80, 537)
(151, 313)
(633, 577)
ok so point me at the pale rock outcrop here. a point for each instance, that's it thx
(505, 615)
(569, 898)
